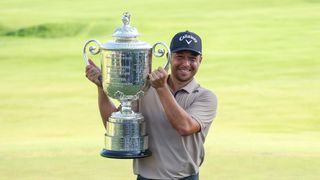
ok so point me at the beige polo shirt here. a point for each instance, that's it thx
(175, 156)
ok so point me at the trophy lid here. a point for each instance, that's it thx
(126, 37)
(126, 31)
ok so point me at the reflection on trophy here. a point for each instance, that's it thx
(125, 65)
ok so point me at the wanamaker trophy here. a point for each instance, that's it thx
(125, 65)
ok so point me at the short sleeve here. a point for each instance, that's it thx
(204, 109)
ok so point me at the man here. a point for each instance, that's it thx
(178, 113)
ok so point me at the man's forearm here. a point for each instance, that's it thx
(106, 107)
(178, 117)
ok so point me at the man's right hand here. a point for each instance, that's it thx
(93, 73)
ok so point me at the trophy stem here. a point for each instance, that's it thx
(126, 107)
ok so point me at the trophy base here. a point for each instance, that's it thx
(125, 154)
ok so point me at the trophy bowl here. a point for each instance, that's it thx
(125, 65)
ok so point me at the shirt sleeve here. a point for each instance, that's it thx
(203, 110)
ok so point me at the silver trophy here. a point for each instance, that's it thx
(125, 65)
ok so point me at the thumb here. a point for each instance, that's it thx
(92, 63)
(162, 70)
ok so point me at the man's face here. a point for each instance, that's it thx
(184, 65)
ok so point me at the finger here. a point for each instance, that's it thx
(90, 68)
(154, 76)
(163, 71)
(92, 63)
(159, 74)
(89, 76)
(93, 78)
(93, 71)
(96, 76)
(88, 72)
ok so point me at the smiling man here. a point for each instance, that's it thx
(177, 110)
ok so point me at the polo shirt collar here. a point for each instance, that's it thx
(191, 86)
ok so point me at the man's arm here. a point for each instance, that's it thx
(178, 117)
(106, 107)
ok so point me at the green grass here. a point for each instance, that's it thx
(48, 31)
(261, 58)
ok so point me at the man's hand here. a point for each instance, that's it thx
(93, 73)
(158, 78)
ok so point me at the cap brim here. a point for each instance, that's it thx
(185, 49)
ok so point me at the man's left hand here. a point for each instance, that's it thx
(158, 78)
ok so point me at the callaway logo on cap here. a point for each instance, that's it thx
(186, 41)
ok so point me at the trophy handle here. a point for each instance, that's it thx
(161, 52)
(93, 50)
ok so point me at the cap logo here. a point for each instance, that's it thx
(188, 41)
(189, 38)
